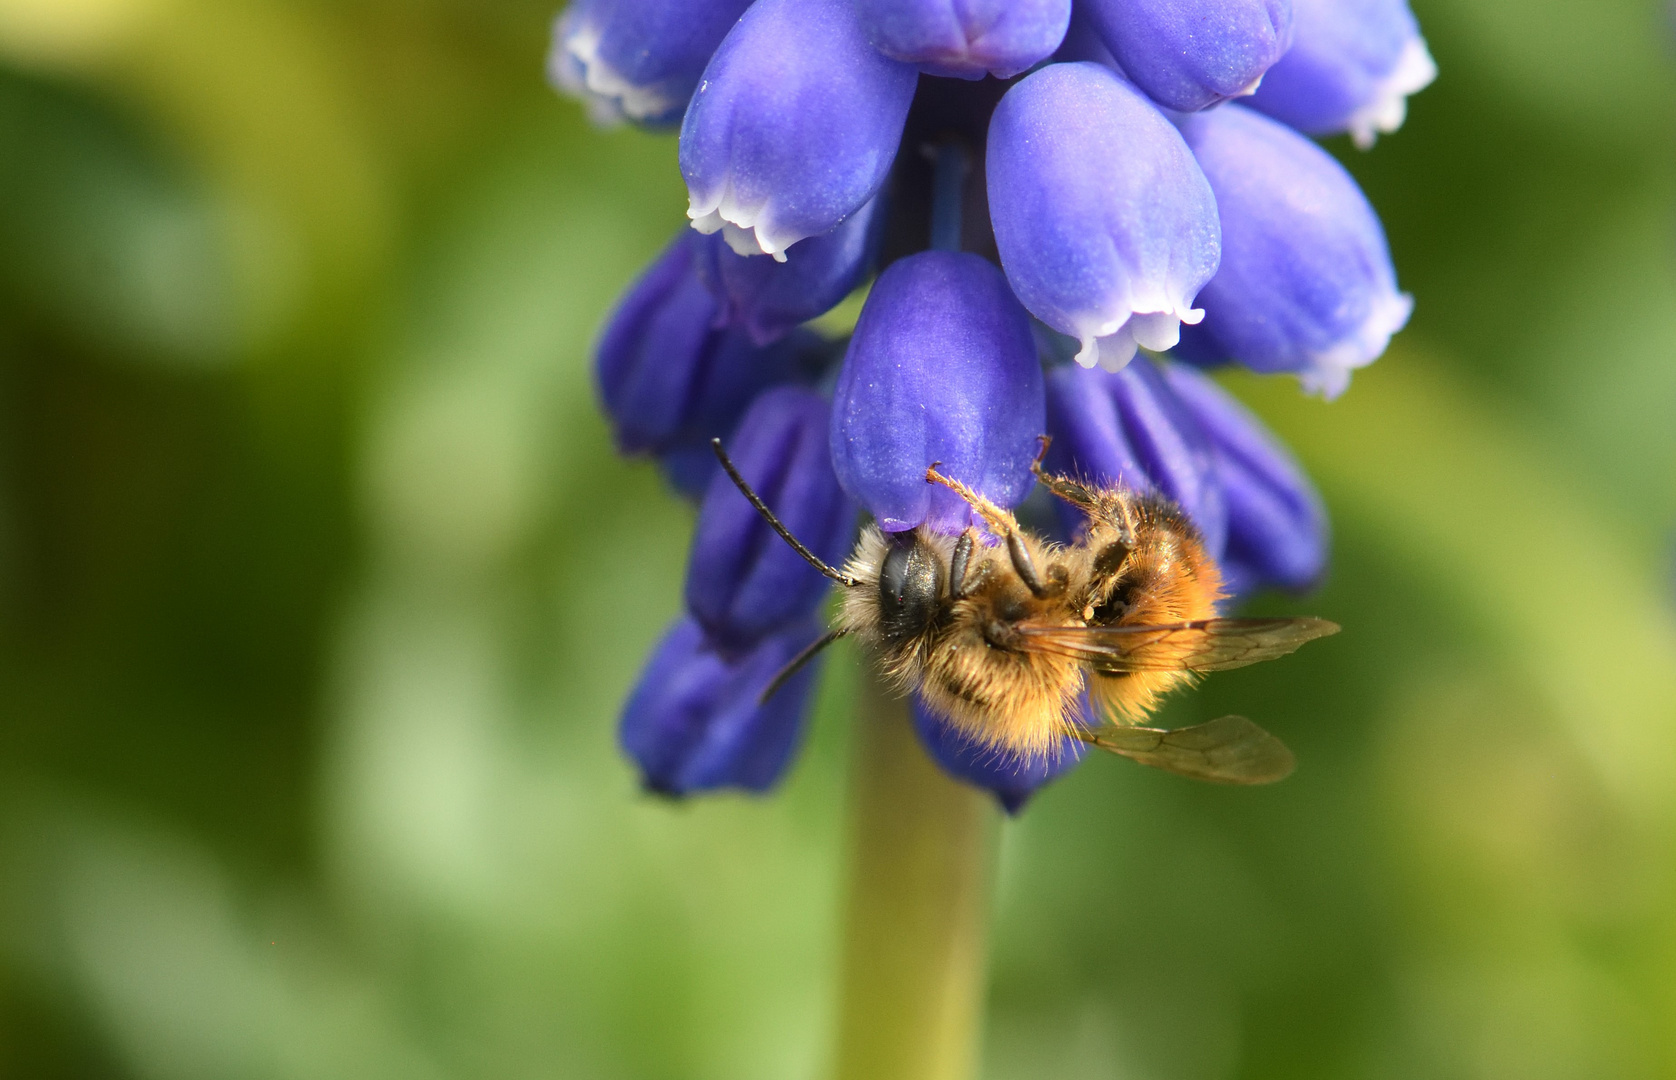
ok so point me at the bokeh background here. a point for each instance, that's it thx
(319, 589)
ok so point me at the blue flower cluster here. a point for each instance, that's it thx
(1049, 187)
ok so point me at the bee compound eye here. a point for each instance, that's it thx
(910, 583)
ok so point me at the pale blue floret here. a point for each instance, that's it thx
(1351, 68)
(1106, 227)
(1191, 54)
(637, 60)
(967, 39)
(794, 126)
(1306, 283)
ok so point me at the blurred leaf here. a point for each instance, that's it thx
(1588, 66)
(1522, 545)
(69, 33)
(104, 242)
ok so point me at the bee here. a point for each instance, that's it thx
(1004, 634)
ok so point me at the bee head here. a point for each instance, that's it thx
(910, 587)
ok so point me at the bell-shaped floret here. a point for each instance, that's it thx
(794, 126)
(967, 39)
(737, 374)
(1351, 67)
(743, 581)
(671, 378)
(1011, 777)
(1190, 54)
(767, 299)
(1105, 225)
(654, 349)
(942, 370)
(1277, 523)
(693, 722)
(637, 60)
(1306, 283)
(1129, 429)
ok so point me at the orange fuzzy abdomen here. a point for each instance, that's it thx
(1183, 586)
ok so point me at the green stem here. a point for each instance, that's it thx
(912, 978)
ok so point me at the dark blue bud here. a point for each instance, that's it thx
(967, 39)
(794, 126)
(1129, 428)
(667, 374)
(942, 369)
(1105, 225)
(1190, 54)
(1277, 523)
(767, 299)
(1351, 67)
(1306, 283)
(693, 722)
(637, 60)
(743, 581)
(655, 348)
(735, 373)
(1013, 779)
(689, 467)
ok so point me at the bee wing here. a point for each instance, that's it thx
(1201, 645)
(1230, 750)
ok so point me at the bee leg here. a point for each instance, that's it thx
(1042, 444)
(1073, 492)
(1001, 523)
(958, 563)
(1025, 566)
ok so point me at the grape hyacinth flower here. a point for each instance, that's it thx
(967, 39)
(944, 354)
(1106, 227)
(675, 370)
(638, 60)
(1034, 181)
(793, 127)
(1130, 429)
(1277, 523)
(693, 722)
(1191, 54)
(1012, 781)
(1306, 283)
(743, 583)
(768, 299)
(1351, 68)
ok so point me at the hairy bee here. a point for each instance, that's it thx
(1004, 637)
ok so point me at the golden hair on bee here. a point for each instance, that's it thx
(1002, 632)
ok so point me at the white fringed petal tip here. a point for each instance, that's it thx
(1113, 347)
(1384, 113)
(1328, 374)
(742, 227)
(575, 66)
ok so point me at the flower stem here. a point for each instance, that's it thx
(949, 164)
(920, 844)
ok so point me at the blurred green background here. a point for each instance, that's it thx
(319, 588)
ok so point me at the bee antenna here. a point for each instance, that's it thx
(768, 515)
(796, 664)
